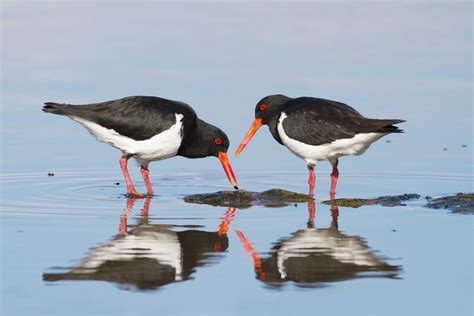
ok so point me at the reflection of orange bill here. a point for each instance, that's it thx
(227, 169)
(251, 132)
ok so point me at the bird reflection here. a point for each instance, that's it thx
(313, 256)
(147, 256)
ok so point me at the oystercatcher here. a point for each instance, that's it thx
(149, 129)
(317, 129)
(147, 256)
(314, 256)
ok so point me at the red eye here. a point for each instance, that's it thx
(218, 141)
(263, 107)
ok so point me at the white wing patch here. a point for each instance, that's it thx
(356, 145)
(161, 146)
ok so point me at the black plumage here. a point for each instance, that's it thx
(316, 129)
(137, 270)
(316, 121)
(137, 117)
(131, 124)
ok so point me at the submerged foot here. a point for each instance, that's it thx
(135, 195)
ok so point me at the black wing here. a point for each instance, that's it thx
(137, 117)
(318, 121)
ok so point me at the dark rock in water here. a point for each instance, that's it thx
(459, 203)
(395, 200)
(245, 199)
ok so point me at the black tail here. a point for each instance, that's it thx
(55, 108)
(387, 126)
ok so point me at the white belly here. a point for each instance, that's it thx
(345, 249)
(159, 147)
(163, 247)
(356, 145)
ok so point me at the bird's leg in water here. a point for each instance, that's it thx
(334, 176)
(334, 210)
(124, 216)
(146, 209)
(131, 192)
(311, 213)
(224, 227)
(311, 180)
(146, 178)
(225, 221)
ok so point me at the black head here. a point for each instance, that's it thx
(270, 106)
(266, 110)
(206, 140)
(216, 141)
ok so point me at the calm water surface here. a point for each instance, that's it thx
(73, 244)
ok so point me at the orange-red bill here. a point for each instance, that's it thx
(251, 132)
(228, 169)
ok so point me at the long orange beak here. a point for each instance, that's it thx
(228, 169)
(252, 130)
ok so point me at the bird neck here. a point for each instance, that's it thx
(193, 144)
(273, 126)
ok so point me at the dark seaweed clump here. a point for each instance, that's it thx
(459, 203)
(392, 200)
(245, 199)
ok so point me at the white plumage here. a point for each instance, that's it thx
(345, 249)
(161, 146)
(356, 145)
(164, 247)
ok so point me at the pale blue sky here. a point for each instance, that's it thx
(399, 59)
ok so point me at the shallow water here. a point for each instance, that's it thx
(74, 244)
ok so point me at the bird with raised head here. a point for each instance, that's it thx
(317, 129)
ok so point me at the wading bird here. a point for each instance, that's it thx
(149, 129)
(313, 257)
(317, 129)
(147, 255)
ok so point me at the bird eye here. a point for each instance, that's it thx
(218, 141)
(263, 107)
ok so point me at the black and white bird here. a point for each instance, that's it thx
(311, 257)
(149, 129)
(147, 256)
(317, 129)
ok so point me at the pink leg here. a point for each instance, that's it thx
(334, 211)
(225, 221)
(124, 216)
(146, 208)
(143, 218)
(131, 192)
(334, 176)
(311, 213)
(311, 180)
(146, 178)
